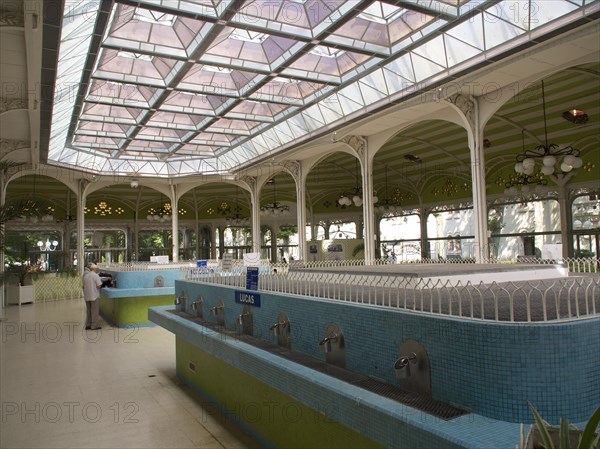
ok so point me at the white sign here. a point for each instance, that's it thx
(159, 259)
(552, 251)
(252, 259)
(227, 261)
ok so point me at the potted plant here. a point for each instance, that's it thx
(17, 292)
(24, 291)
(566, 436)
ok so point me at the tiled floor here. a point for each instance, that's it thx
(61, 387)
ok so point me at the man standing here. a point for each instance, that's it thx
(91, 293)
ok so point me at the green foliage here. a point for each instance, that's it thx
(68, 271)
(107, 241)
(18, 245)
(152, 239)
(588, 439)
(22, 270)
(584, 253)
(286, 231)
(495, 224)
(12, 211)
(7, 165)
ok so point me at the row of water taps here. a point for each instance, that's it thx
(325, 344)
(215, 310)
(241, 318)
(276, 328)
(402, 366)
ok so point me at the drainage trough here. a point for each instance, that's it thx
(423, 403)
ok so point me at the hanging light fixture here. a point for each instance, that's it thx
(576, 116)
(48, 215)
(237, 219)
(525, 181)
(355, 195)
(388, 206)
(165, 212)
(34, 211)
(275, 207)
(161, 214)
(553, 159)
(47, 245)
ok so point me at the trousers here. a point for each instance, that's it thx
(92, 314)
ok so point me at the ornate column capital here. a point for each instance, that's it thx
(357, 143)
(9, 104)
(13, 144)
(294, 169)
(11, 19)
(250, 181)
(466, 104)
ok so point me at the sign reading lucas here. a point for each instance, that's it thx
(249, 298)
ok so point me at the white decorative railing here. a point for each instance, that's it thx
(583, 265)
(182, 265)
(144, 266)
(567, 298)
(590, 265)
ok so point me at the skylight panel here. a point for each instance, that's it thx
(176, 101)
(155, 17)
(248, 36)
(131, 55)
(381, 13)
(213, 68)
(326, 52)
(280, 79)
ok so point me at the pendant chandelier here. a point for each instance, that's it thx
(355, 195)
(525, 181)
(388, 206)
(47, 246)
(237, 219)
(552, 158)
(275, 207)
(161, 214)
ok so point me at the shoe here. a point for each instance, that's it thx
(95, 328)
(87, 328)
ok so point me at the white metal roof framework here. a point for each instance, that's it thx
(208, 86)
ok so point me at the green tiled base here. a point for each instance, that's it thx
(276, 419)
(128, 311)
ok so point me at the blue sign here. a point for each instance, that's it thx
(201, 263)
(252, 278)
(249, 298)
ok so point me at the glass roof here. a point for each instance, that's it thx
(207, 86)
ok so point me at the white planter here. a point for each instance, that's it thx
(534, 439)
(20, 294)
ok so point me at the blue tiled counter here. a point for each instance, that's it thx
(145, 278)
(285, 404)
(488, 367)
(128, 303)
(129, 307)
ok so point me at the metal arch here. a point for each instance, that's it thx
(437, 147)
(517, 126)
(590, 72)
